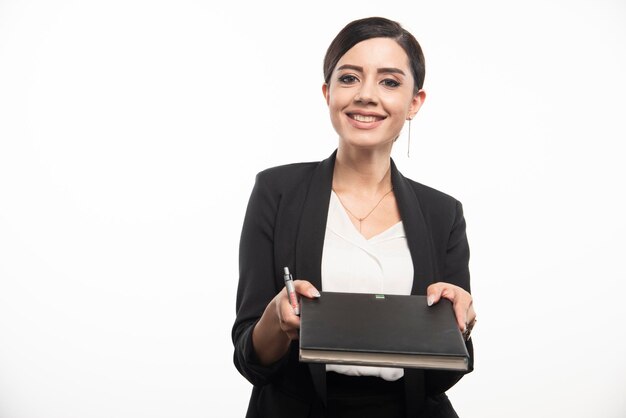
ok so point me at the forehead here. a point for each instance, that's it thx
(376, 53)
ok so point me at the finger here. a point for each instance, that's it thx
(289, 322)
(433, 293)
(460, 311)
(460, 304)
(463, 309)
(471, 314)
(306, 289)
(456, 295)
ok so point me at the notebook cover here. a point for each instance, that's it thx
(384, 324)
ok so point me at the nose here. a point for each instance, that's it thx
(366, 94)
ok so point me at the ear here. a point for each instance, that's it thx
(416, 103)
(326, 92)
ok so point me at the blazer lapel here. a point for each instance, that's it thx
(312, 224)
(310, 244)
(416, 232)
(423, 271)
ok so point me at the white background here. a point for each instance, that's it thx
(130, 134)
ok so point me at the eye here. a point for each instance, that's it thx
(348, 79)
(389, 82)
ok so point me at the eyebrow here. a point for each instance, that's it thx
(379, 70)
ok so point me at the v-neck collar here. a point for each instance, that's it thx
(342, 225)
(314, 215)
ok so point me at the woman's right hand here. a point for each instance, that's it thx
(279, 324)
(288, 321)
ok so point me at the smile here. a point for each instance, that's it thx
(365, 118)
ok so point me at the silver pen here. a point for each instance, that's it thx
(291, 291)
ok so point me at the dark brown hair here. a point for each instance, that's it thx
(375, 27)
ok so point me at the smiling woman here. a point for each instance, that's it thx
(350, 223)
(371, 93)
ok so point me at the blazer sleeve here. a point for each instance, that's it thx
(455, 271)
(257, 285)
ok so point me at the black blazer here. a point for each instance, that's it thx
(285, 225)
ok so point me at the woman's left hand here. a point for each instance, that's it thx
(461, 302)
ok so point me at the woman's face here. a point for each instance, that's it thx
(370, 94)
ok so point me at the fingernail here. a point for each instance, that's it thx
(430, 300)
(315, 294)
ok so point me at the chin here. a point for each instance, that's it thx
(368, 143)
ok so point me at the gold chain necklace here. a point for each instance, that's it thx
(368, 214)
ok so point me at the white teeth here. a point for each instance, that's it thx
(363, 118)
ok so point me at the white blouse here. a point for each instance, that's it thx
(351, 263)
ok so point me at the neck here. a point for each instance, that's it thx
(367, 171)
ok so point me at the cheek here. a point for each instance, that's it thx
(335, 110)
(336, 106)
(332, 107)
(402, 109)
(338, 98)
(398, 105)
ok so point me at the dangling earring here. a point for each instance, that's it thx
(408, 148)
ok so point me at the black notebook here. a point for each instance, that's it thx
(381, 330)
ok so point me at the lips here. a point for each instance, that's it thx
(365, 118)
(365, 121)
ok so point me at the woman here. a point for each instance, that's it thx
(350, 223)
